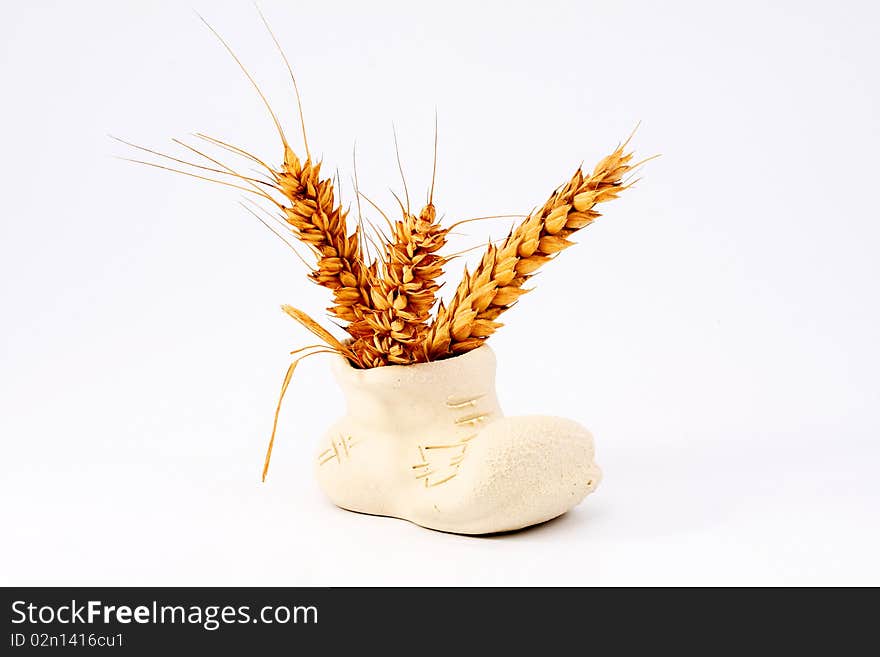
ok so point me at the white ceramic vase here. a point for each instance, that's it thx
(428, 443)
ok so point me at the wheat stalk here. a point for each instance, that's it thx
(497, 282)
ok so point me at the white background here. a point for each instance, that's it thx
(716, 329)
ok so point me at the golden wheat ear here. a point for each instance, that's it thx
(405, 292)
(497, 282)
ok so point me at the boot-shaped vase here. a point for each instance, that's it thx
(428, 443)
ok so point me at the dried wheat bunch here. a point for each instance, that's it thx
(497, 282)
(385, 307)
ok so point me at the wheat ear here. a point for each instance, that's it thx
(497, 282)
(405, 293)
(319, 222)
(311, 211)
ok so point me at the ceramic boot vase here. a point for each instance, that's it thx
(428, 443)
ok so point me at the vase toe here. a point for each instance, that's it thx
(518, 472)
